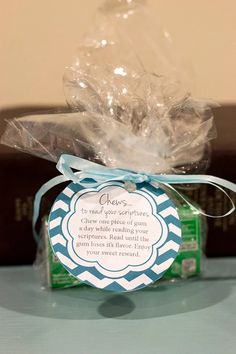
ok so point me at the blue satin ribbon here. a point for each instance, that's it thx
(86, 169)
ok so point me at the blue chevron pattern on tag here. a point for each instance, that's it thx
(92, 273)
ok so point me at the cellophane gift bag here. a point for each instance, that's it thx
(131, 108)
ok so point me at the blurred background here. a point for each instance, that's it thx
(39, 38)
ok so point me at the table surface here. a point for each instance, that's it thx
(184, 317)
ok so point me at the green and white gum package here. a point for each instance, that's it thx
(187, 263)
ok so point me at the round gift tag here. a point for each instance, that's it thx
(113, 238)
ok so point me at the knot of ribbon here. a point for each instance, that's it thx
(90, 174)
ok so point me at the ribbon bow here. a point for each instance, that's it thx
(91, 174)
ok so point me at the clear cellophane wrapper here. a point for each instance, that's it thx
(130, 102)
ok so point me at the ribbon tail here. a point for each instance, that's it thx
(38, 197)
(195, 179)
(230, 211)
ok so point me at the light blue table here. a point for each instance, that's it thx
(186, 317)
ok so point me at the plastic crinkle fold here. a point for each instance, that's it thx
(129, 98)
